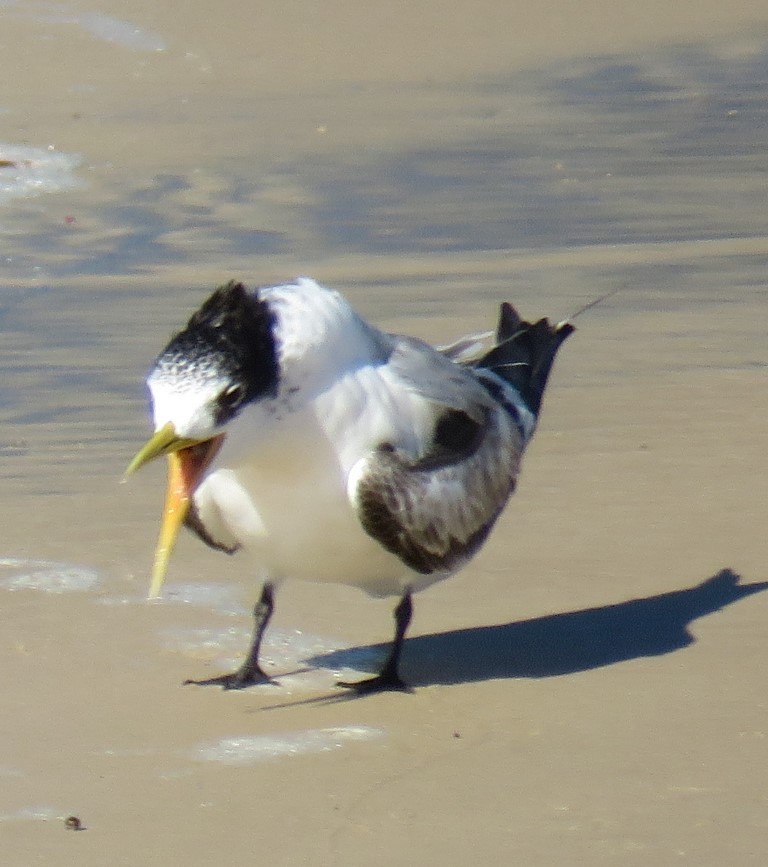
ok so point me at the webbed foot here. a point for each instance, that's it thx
(384, 682)
(244, 677)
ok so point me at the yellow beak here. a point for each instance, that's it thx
(163, 442)
(187, 460)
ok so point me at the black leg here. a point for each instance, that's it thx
(250, 672)
(389, 676)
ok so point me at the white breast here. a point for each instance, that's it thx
(279, 488)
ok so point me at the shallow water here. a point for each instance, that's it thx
(136, 181)
(550, 187)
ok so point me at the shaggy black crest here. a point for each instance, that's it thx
(232, 337)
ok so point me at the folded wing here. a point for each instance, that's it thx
(435, 509)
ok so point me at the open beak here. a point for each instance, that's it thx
(187, 461)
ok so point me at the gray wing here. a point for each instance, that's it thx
(416, 366)
(467, 349)
(435, 510)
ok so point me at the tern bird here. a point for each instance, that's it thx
(331, 451)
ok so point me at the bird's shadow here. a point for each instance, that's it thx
(557, 643)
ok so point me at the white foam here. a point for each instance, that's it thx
(123, 33)
(249, 749)
(45, 575)
(29, 171)
(126, 34)
(284, 654)
(221, 598)
(26, 814)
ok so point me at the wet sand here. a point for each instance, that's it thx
(590, 689)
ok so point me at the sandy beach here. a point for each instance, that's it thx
(589, 691)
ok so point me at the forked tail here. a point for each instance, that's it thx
(524, 353)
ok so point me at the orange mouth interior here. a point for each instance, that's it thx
(185, 469)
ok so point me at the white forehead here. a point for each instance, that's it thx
(186, 404)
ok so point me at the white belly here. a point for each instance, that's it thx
(301, 525)
(279, 490)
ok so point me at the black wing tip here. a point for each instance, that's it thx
(511, 323)
(525, 352)
(564, 329)
(552, 336)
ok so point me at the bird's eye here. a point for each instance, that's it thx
(228, 402)
(234, 394)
